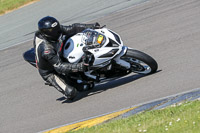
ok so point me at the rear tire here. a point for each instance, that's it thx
(140, 62)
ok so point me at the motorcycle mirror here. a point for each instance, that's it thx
(102, 26)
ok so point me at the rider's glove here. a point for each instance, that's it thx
(80, 67)
(88, 59)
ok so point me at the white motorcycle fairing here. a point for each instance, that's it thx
(107, 46)
(73, 49)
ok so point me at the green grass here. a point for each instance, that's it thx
(7, 5)
(184, 118)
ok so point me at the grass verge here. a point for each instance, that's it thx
(8, 5)
(180, 118)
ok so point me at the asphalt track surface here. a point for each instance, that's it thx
(168, 30)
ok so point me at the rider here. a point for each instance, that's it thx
(48, 43)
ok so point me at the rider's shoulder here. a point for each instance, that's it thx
(38, 34)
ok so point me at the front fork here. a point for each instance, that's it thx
(121, 62)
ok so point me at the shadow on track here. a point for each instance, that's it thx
(105, 86)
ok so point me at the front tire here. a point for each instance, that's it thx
(140, 62)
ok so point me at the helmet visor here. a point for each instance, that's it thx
(52, 33)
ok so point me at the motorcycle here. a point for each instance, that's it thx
(106, 56)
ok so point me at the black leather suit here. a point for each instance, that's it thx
(49, 59)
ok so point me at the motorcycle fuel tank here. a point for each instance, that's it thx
(73, 49)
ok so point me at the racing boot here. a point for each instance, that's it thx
(70, 92)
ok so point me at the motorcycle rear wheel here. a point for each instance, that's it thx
(140, 62)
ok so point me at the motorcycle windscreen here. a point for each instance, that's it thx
(93, 38)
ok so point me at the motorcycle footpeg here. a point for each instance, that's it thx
(47, 83)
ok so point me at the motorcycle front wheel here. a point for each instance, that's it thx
(140, 62)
